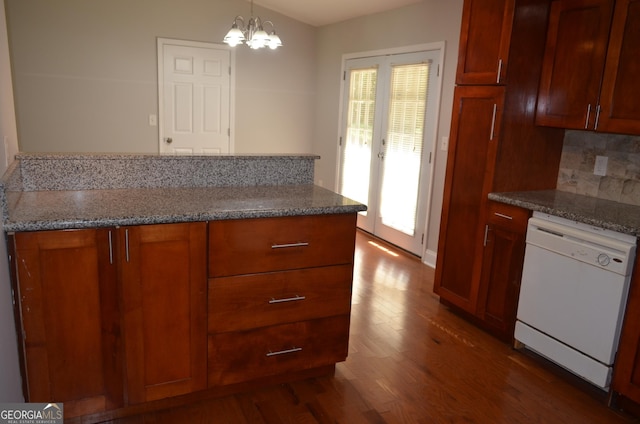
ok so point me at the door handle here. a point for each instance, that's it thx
(168, 140)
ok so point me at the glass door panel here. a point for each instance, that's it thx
(388, 112)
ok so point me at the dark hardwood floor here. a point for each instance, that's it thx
(410, 361)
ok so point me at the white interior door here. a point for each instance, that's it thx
(389, 126)
(194, 93)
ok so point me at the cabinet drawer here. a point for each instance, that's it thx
(260, 300)
(509, 217)
(247, 246)
(247, 355)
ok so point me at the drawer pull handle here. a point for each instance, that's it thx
(501, 215)
(288, 299)
(284, 246)
(284, 352)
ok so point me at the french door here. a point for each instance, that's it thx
(390, 115)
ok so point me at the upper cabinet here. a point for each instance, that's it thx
(619, 100)
(484, 41)
(591, 59)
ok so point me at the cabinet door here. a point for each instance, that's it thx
(66, 282)
(573, 63)
(164, 299)
(484, 41)
(626, 373)
(470, 166)
(619, 100)
(503, 258)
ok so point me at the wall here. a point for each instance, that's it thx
(85, 74)
(10, 383)
(424, 22)
(622, 180)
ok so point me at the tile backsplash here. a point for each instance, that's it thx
(622, 180)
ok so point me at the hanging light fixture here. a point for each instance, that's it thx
(253, 33)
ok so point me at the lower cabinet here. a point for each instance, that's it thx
(68, 317)
(502, 261)
(109, 309)
(626, 373)
(285, 314)
(164, 302)
(494, 271)
(115, 318)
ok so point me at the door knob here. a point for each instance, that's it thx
(168, 140)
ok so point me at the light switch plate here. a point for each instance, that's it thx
(444, 145)
(153, 120)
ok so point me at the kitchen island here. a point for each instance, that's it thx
(143, 282)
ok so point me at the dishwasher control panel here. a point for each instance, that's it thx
(595, 248)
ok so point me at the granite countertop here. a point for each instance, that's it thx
(56, 191)
(68, 209)
(602, 213)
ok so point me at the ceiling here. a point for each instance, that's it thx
(324, 12)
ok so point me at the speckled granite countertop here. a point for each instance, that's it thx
(590, 210)
(54, 210)
(66, 191)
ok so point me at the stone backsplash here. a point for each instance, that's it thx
(622, 180)
(95, 171)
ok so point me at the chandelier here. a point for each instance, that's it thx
(253, 33)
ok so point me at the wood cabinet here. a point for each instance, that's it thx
(626, 372)
(164, 301)
(573, 63)
(494, 146)
(104, 309)
(619, 102)
(279, 295)
(469, 177)
(113, 320)
(68, 309)
(504, 245)
(592, 57)
(483, 55)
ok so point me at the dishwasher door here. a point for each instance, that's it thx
(572, 297)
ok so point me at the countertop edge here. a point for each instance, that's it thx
(64, 210)
(13, 227)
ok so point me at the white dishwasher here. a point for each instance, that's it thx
(573, 294)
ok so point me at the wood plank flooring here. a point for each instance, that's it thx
(410, 361)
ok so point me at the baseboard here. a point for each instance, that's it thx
(429, 258)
